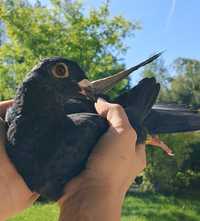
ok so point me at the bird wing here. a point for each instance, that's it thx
(163, 118)
(74, 143)
(141, 97)
(174, 107)
(171, 119)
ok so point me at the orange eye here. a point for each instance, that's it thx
(60, 70)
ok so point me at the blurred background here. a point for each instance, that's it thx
(105, 37)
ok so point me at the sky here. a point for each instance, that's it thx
(171, 25)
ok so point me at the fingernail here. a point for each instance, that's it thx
(101, 99)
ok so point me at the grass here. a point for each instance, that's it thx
(140, 207)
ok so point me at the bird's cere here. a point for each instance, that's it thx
(84, 83)
(86, 88)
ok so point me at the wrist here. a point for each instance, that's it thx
(94, 204)
(91, 202)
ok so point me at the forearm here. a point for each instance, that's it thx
(2, 218)
(92, 204)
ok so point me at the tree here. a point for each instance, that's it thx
(185, 88)
(95, 41)
(172, 174)
(180, 173)
(158, 70)
(1, 33)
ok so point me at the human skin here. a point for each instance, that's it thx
(4, 105)
(14, 194)
(98, 192)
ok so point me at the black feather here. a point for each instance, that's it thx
(164, 118)
(171, 121)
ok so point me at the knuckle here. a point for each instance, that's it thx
(117, 107)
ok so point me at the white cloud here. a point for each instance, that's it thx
(170, 14)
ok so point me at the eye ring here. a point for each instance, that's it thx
(60, 70)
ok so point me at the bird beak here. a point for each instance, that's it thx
(103, 85)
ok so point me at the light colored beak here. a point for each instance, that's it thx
(103, 85)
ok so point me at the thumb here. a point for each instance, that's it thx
(102, 107)
(114, 113)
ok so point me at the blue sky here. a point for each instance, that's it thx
(166, 24)
(173, 25)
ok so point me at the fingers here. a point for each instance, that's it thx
(4, 105)
(115, 115)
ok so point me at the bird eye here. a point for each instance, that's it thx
(60, 71)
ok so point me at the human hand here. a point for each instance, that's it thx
(4, 105)
(116, 159)
(13, 190)
(112, 166)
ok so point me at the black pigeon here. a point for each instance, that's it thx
(53, 126)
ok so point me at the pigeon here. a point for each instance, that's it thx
(53, 125)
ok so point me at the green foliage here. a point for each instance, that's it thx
(95, 41)
(158, 70)
(183, 87)
(180, 173)
(171, 174)
(188, 180)
(188, 91)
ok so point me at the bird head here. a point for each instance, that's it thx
(50, 84)
(59, 82)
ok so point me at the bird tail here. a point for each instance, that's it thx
(171, 121)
